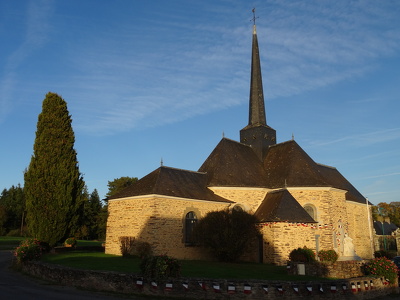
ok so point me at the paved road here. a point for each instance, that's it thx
(15, 286)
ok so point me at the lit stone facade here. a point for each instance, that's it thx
(160, 221)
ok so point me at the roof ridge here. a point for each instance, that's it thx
(285, 142)
(330, 167)
(179, 169)
(232, 140)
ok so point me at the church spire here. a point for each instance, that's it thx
(256, 108)
(257, 133)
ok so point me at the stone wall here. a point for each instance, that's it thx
(339, 269)
(249, 198)
(280, 238)
(158, 220)
(197, 288)
(360, 228)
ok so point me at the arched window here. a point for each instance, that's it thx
(238, 207)
(190, 222)
(310, 209)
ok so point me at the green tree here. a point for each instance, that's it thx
(53, 184)
(3, 219)
(92, 208)
(119, 184)
(102, 223)
(227, 233)
(13, 201)
(385, 210)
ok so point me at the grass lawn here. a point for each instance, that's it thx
(190, 268)
(9, 242)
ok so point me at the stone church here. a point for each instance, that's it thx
(298, 202)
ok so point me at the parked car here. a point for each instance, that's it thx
(396, 261)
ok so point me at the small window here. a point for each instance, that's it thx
(238, 208)
(311, 211)
(190, 222)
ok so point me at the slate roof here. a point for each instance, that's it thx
(172, 182)
(233, 164)
(287, 164)
(281, 206)
(387, 229)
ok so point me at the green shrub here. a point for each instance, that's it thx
(29, 249)
(227, 234)
(70, 241)
(143, 249)
(302, 255)
(160, 267)
(127, 245)
(381, 266)
(328, 255)
(15, 233)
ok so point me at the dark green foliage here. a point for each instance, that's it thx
(71, 241)
(143, 249)
(382, 267)
(53, 184)
(160, 267)
(302, 255)
(12, 206)
(127, 245)
(228, 234)
(102, 223)
(328, 255)
(29, 249)
(90, 220)
(387, 212)
(119, 184)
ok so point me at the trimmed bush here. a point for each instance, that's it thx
(160, 267)
(381, 266)
(71, 242)
(302, 255)
(29, 249)
(328, 256)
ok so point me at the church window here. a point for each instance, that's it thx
(311, 211)
(190, 222)
(238, 208)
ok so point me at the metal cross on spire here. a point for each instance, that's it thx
(254, 16)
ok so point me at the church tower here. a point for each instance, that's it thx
(257, 133)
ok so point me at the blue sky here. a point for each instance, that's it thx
(152, 80)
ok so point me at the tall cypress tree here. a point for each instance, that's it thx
(53, 184)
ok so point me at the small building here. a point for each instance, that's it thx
(298, 201)
(387, 236)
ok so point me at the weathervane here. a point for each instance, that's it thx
(254, 16)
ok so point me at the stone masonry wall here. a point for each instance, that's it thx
(336, 217)
(157, 220)
(200, 288)
(338, 269)
(249, 198)
(360, 229)
(160, 220)
(281, 238)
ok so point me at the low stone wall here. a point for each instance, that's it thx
(196, 288)
(339, 269)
